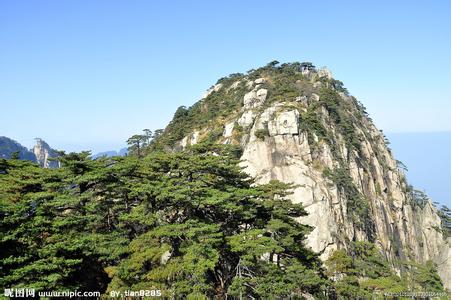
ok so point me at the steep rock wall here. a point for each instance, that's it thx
(44, 153)
(344, 172)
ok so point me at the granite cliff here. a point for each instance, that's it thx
(298, 124)
(44, 154)
(41, 153)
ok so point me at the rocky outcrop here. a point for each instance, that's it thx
(443, 262)
(44, 154)
(401, 229)
(255, 98)
(313, 134)
(41, 152)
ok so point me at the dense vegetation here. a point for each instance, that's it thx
(363, 273)
(188, 223)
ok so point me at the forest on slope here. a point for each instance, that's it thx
(190, 224)
(188, 221)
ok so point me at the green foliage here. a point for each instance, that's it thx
(422, 277)
(214, 135)
(359, 273)
(310, 122)
(138, 144)
(209, 221)
(418, 198)
(340, 112)
(307, 66)
(338, 86)
(445, 215)
(362, 272)
(44, 229)
(283, 85)
(219, 104)
(262, 133)
(190, 223)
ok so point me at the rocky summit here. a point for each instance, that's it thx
(44, 154)
(41, 153)
(297, 124)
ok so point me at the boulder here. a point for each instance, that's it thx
(260, 81)
(255, 98)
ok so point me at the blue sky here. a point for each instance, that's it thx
(428, 159)
(89, 74)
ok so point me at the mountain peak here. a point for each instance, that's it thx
(44, 154)
(299, 125)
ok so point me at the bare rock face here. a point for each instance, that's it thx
(400, 229)
(319, 138)
(443, 259)
(255, 98)
(286, 122)
(44, 153)
(228, 129)
(246, 119)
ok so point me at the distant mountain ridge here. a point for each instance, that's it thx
(41, 153)
(10, 147)
(111, 153)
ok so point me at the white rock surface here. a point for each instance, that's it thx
(443, 262)
(255, 98)
(260, 81)
(228, 129)
(317, 84)
(184, 142)
(195, 138)
(286, 156)
(44, 153)
(246, 119)
(235, 85)
(314, 97)
(285, 122)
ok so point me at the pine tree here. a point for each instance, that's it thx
(204, 229)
